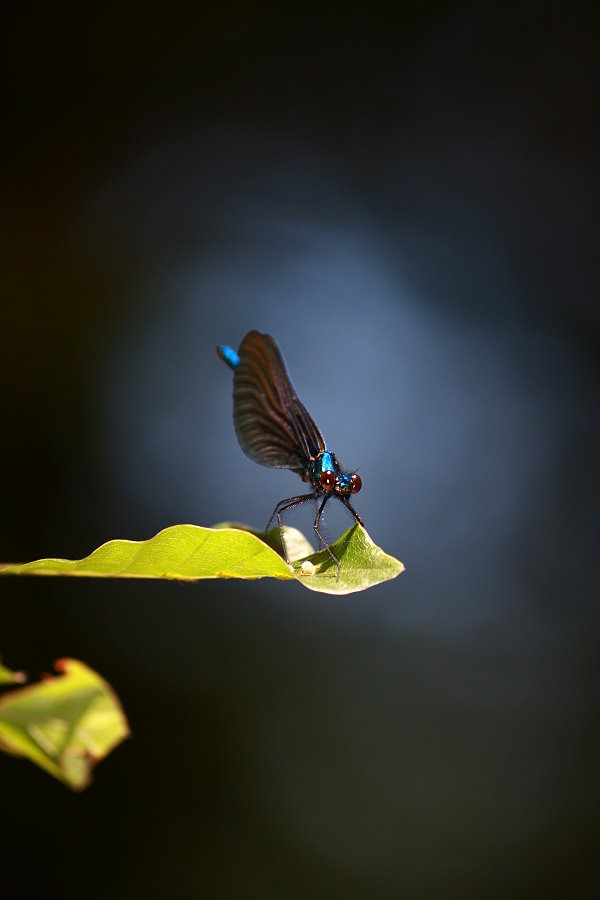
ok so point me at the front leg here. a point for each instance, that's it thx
(323, 541)
(349, 506)
(282, 507)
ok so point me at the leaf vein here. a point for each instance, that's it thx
(182, 562)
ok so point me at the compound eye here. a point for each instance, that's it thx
(327, 480)
(355, 483)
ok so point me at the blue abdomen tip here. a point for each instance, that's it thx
(228, 355)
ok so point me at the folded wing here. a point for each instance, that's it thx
(272, 426)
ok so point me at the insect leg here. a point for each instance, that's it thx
(321, 543)
(349, 506)
(322, 540)
(281, 507)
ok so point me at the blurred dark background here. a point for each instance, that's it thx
(411, 207)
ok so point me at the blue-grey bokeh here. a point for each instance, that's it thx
(413, 216)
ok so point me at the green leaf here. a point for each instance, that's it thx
(363, 565)
(296, 543)
(7, 676)
(190, 552)
(64, 724)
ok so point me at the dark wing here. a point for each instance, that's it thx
(272, 426)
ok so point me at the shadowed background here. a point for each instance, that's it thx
(411, 209)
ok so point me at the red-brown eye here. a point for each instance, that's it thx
(356, 483)
(327, 480)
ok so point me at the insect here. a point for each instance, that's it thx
(275, 429)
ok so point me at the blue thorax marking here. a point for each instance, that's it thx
(325, 462)
(328, 462)
(229, 356)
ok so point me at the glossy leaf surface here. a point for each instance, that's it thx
(191, 553)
